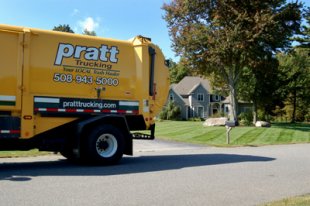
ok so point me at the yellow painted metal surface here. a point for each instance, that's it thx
(10, 69)
(45, 65)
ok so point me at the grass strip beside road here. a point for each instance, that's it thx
(294, 201)
(30, 153)
(194, 132)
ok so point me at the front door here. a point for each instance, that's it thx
(200, 112)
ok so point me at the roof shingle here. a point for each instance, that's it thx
(188, 83)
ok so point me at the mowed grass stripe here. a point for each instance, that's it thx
(167, 127)
(172, 129)
(286, 136)
(182, 131)
(249, 136)
(194, 132)
(301, 136)
(209, 135)
(270, 136)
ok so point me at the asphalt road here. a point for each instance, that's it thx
(161, 173)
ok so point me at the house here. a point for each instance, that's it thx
(195, 98)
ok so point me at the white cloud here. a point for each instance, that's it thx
(75, 12)
(89, 24)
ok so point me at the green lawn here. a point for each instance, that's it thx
(295, 201)
(29, 153)
(194, 132)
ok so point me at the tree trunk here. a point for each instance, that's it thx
(254, 112)
(233, 102)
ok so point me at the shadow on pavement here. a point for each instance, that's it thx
(128, 165)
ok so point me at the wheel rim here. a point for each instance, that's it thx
(106, 145)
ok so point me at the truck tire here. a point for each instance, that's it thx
(104, 145)
(68, 154)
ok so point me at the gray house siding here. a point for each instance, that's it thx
(195, 104)
(199, 102)
(179, 102)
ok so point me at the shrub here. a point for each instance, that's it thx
(263, 116)
(245, 118)
(170, 112)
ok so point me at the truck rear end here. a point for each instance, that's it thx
(80, 95)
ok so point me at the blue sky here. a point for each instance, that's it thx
(118, 19)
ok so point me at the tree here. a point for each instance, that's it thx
(177, 71)
(89, 33)
(259, 86)
(295, 75)
(304, 36)
(63, 28)
(224, 37)
(170, 112)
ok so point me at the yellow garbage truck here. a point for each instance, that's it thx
(83, 96)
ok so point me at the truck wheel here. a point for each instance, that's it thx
(105, 145)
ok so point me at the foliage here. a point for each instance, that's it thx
(279, 114)
(170, 112)
(295, 75)
(67, 28)
(224, 37)
(304, 36)
(245, 118)
(89, 33)
(63, 28)
(264, 116)
(259, 85)
(219, 87)
(177, 71)
(307, 116)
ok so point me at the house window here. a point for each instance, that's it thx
(171, 97)
(226, 109)
(200, 97)
(216, 98)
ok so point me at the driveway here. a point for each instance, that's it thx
(161, 173)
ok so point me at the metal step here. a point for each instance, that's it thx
(9, 127)
(142, 136)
